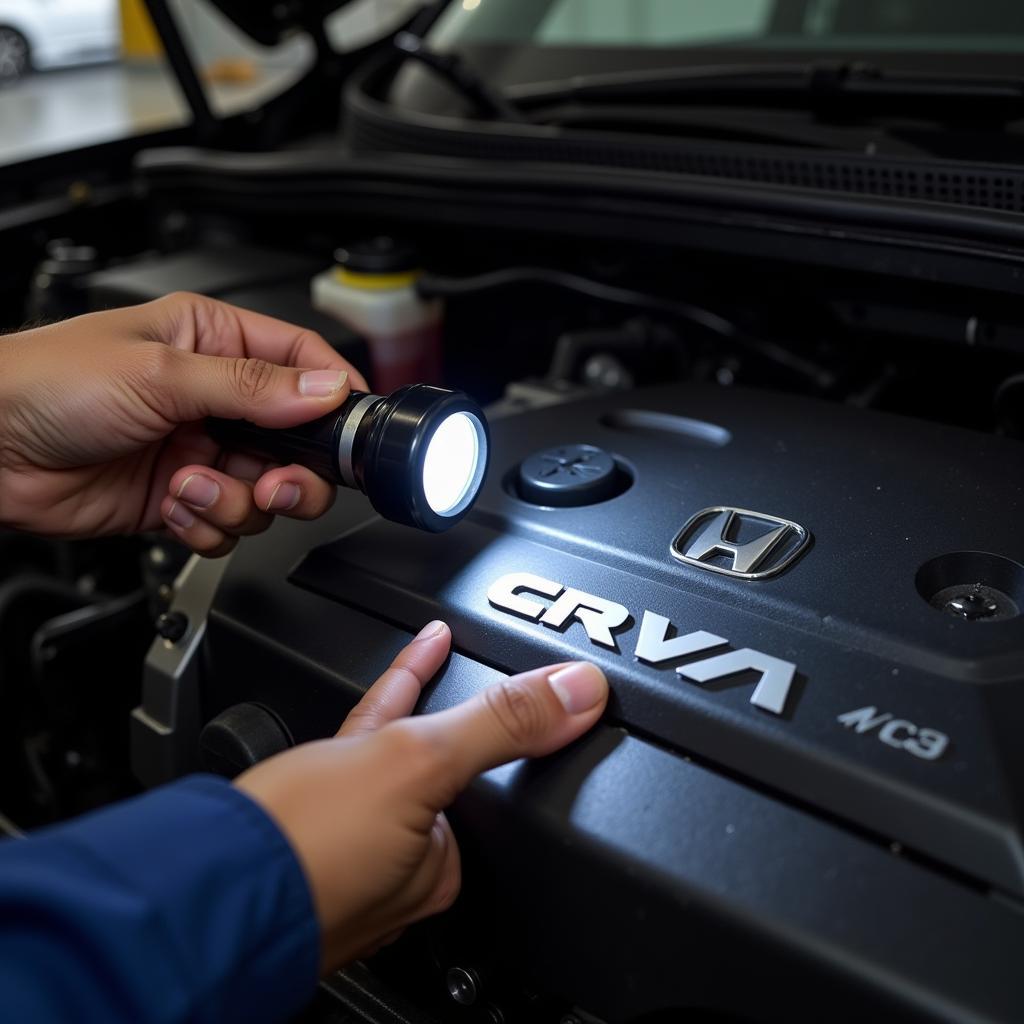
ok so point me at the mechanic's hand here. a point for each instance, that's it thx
(363, 810)
(100, 421)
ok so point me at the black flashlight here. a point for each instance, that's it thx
(419, 454)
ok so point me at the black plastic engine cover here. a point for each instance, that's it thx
(852, 824)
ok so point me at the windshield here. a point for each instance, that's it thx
(893, 77)
(979, 26)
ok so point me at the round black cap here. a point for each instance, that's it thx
(239, 737)
(380, 255)
(568, 476)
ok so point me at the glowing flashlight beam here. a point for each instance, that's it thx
(451, 463)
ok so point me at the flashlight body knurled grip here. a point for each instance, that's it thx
(315, 445)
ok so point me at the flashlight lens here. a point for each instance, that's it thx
(452, 467)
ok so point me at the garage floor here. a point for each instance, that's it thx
(51, 111)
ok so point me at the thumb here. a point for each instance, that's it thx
(196, 386)
(528, 715)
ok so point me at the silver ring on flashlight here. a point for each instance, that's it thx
(347, 438)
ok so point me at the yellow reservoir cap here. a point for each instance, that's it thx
(375, 282)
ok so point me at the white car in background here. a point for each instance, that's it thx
(36, 34)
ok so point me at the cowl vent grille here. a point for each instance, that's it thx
(374, 127)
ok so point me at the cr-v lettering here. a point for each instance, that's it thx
(600, 618)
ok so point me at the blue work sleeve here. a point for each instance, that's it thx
(185, 904)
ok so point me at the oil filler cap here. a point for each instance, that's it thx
(569, 476)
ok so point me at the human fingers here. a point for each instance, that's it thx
(294, 491)
(221, 500)
(528, 715)
(395, 693)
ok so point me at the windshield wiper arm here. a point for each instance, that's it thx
(459, 75)
(827, 87)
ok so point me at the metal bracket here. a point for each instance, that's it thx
(165, 727)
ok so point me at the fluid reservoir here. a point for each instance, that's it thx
(372, 290)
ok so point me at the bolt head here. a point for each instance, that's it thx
(972, 606)
(463, 985)
(172, 626)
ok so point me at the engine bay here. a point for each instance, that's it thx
(832, 678)
(852, 688)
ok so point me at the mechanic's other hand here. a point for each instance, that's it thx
(363, 811)
(100, 421)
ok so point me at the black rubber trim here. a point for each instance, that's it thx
(376, 126)
(314, 176)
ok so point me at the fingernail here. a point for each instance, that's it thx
(199, 491)
(180, 516)
(322, 383)
(285, 497)
(431, 629)
(579, 686)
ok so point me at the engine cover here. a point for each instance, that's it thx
(808, 793)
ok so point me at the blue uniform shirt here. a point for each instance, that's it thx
(185, 904)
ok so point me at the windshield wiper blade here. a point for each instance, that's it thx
(831, 88)
(796, 129)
